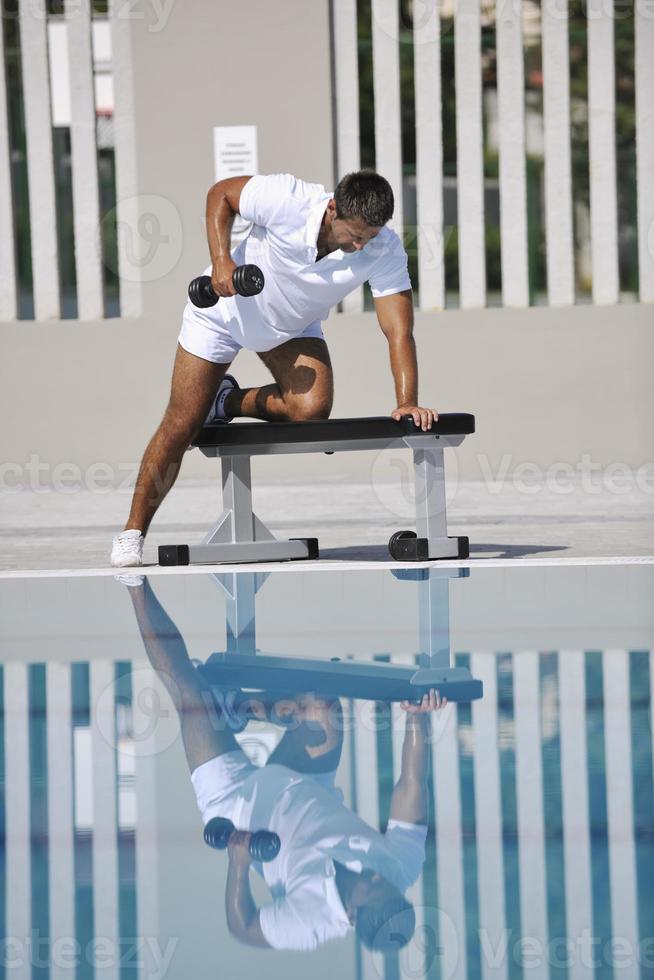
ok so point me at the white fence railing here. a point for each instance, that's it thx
(644, 70)
(540, 714)
(429, 237)
(544, 725)
(92, 777)
(40, 162)
(8, 297)
(346, 81)
(507, 17)
(61, 817)
(86, 199)
(43, 77)
(17, 809)
(559, 241)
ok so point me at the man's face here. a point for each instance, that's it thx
(348, 234)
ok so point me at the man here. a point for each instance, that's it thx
(334, 872)
(313, 249)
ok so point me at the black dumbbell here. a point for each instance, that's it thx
(247, 280)
(264, 845)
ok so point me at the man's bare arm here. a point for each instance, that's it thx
(242, 913)
(410, 799)
(223, 203)
(395, 316)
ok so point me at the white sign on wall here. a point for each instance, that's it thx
(235, 153)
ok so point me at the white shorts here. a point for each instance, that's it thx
(211, 340)
(225, 782)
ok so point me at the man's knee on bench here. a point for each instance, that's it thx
(307, 408)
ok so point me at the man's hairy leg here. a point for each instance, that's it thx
(303, 388)
(194, 385)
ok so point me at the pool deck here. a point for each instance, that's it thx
(51, 531)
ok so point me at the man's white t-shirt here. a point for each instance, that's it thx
(315, 829)
(286, 214)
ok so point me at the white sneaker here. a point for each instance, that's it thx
(217, 412)
(127, 549)
(131, 581)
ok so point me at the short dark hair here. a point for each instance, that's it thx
(367, 195)
(387, 925)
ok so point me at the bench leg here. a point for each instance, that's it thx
(431, 540)
(238, 535)
(435, 668)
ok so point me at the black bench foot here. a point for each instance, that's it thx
(295, 549)
(312, 547)
(407, 546)
(174, 554)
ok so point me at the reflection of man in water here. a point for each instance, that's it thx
(333, 871)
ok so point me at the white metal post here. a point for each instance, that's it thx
(431, 508)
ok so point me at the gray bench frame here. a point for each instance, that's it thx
(243, 665)
(239, 535)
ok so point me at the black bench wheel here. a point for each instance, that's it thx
(407, 546)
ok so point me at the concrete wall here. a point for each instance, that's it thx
(547, 386)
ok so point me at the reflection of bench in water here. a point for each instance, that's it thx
(240, 536)
(243, 668)
(370, 680)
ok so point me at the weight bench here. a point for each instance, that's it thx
(243, 672)
(240, 536)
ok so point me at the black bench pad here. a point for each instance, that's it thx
(329, 430)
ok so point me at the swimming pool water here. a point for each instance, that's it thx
(539, 851)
